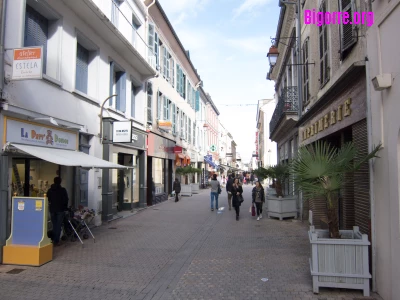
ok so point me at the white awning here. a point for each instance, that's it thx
(68, 157)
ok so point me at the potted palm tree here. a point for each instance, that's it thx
(278, 204)
(186, 187)
(339, 258)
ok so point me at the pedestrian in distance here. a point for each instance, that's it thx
(237, 192)
(252, 178)
(177, 189)
(229, 184)
(258, 196)
(215, 191)
(153, 191)
(58, 199)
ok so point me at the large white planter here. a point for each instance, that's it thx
(339, 263)
(284, 207)
(195, 188)
(186, 190)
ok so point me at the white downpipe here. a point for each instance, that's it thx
(371, 174)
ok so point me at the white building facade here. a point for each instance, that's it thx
(90, 51)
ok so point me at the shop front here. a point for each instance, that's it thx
(33, 154)
(341, 120)
(123, 189)
(160, 161)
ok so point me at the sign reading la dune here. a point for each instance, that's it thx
(27, 63)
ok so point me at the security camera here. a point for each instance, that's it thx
(382, 82)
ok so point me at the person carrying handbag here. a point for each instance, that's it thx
(258, 196)
(228, 190)
(237, 197)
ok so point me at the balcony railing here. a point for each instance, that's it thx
(288, 102)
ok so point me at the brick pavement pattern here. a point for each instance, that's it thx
(179, 251)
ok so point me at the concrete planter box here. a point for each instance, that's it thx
(285, 207)
(195, 188)
(186, 190)
(339, 263)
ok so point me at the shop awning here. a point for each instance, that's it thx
(180, 155)
(68, 157)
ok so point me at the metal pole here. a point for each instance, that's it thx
(2, 38)
(101, 117)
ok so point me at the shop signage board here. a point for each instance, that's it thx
(160, 147)
(22, 132)
(164, 125)
(122, 132)
(27, 63)
(138, 139)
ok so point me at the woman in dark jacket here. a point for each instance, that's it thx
(258, 196)
(177, 189)
(236, 191)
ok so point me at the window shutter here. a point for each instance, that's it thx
(156, 50)
(172, 73)
(173, 118)
(149, 103)
(158, 105)
(323, 49)
(165, 59)
(197, 100)
(133, 102)
(36, 31)
(183, 85)
(82, 61)
(348, 32)
(111, 82)
(177, 79)
(122, 92)
(167, 69)
(151, 38)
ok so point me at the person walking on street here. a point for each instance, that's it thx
(258, 196)
(236, 191)
(58, 199)
(252, 178)
(228, 190)
(177, 189)
(215, 187)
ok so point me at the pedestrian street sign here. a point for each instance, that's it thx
(213, 148)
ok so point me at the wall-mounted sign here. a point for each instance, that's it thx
(27, 63)
(122, 132)
(164, 125)
(213, 148)
(22, 132)
(329, 119)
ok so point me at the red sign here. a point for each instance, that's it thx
(177, 149)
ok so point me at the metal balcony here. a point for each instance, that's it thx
(286, 111)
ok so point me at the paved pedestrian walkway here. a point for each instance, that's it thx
(179, 251)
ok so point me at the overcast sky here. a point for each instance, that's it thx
(228, 42)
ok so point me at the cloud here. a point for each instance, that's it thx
(186, 7)
(248, 6)
(249, 44)
(230, 58)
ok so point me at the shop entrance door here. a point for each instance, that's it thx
(125, 190)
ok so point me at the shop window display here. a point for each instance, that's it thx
(41, 175)
(125, 183)
(158, 174)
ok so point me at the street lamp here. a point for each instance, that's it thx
(273, 55)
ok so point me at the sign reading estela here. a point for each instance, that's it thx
(39, 135)
(27, 63)
(331, 118)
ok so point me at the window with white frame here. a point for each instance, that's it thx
(182, 117)
(153, 43)
(149, 90)
(135, 89)
(86, 66)
(135, 27)
(190, 131)
(115, 12)
(306, 93)
(118, 87)
(323, 49)
(166, 106)
(194, 133)
(41, 29)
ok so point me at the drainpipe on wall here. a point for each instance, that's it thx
(371, 175)
(2, 37)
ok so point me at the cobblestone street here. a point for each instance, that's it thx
(179, 251)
